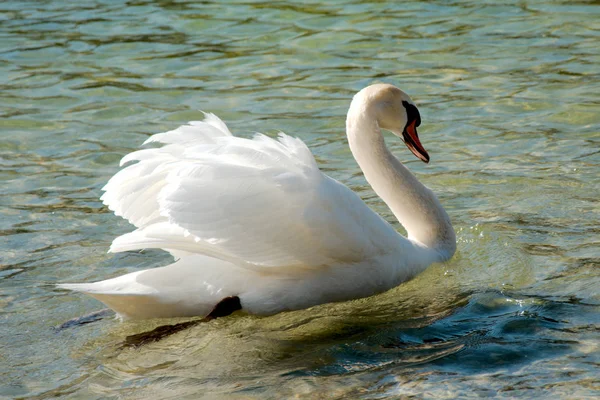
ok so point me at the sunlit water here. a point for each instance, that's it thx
(509, 96)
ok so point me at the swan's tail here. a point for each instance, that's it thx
(192, 286)
(127, 297)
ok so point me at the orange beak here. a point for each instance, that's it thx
(411, 139)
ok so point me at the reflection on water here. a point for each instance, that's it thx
(509, 99)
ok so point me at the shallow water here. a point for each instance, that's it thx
(508, 95)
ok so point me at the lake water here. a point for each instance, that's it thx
(509, 94)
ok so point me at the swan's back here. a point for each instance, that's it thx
(258, 203)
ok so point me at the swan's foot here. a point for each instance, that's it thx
(223, 308)
(84, 319)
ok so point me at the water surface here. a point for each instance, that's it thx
(508, 94)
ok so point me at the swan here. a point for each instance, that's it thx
(254, 225)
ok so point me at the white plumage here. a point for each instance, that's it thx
(257, 219)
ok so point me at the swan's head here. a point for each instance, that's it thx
(396, 112)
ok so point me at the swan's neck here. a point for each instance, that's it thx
(416, 207)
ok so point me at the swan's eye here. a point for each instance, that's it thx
(412, 113)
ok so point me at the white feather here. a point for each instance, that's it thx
(216, 188)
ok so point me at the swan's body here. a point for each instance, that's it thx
(257, 220)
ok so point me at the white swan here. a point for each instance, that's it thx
(255, 225)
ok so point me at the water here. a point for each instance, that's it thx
(508, 93)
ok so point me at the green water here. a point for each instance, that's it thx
(509, 97)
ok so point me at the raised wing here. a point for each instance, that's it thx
(257, 202)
